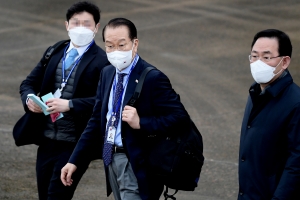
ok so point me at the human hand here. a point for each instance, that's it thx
(66, 174)
(131, 116)
(57, 105)
(33, 107)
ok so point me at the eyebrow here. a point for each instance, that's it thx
(87, 20)
(121, 40)
(265, 52)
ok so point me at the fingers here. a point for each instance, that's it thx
(66, 179)
(51, 109)
(128, 113)
(33, 106)
(66, 174)
(131, 116)
(63, 176)
(129, 108)
(51, 103)
(58, 105)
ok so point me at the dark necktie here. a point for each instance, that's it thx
(72, 55)
(108, 147)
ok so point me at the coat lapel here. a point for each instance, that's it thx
(86, 59)
(107, 79)
(135, 75)
(110, 74)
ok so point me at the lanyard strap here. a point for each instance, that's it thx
(114, 87)
(64, 81)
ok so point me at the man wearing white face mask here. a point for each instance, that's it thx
(269, 158)
(72, 75)
(125, 130)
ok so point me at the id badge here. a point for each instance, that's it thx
(57, 94)
(111, 135)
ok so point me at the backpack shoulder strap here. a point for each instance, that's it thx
(132, 101)
(57, 46)
(139, 86)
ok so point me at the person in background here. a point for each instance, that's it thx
(269, 157)
(72, 75)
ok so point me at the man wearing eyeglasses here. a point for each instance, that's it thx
(269, 159)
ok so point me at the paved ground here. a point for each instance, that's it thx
(202, 45)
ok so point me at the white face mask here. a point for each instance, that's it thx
(120, 59)
(81, 36)
(262, 72)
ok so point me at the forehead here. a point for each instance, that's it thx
(265, 44)
(115, 34)
(83, 16)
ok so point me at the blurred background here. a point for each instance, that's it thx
(201, 45)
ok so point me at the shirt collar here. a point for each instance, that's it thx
(274, 88)
(268, 86)
(80, 50)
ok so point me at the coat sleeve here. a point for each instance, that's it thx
(91, 138)
(32, 83)
(290, 179)
(168, 113)
(81, 105)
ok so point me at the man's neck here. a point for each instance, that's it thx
(75, 45)
(263, 86)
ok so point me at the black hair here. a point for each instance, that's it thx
(82, 6)
(284, 42)
(117, 22)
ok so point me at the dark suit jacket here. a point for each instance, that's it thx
(41, 81)
(269, 160)
(158, 107)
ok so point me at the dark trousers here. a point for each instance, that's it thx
(52, 156)
(156, 187)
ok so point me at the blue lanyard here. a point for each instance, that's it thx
(64, 81)
(114, 87)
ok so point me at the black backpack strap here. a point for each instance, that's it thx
(132, 101)
(53, 49)
(139, 86)
(171, 196)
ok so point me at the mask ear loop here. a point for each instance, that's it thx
(277, 66)
(68, 26)
(68, 31)
(132, 44)
(132, 48)
(94, 32)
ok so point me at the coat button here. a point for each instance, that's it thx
(242, 160)
(241, 193)
(248, 126)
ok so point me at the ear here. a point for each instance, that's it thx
(136, 44)
(286, 62)
(97, 27)
(66, 24)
